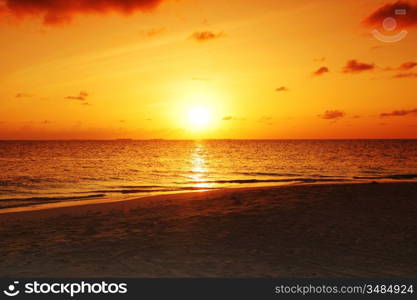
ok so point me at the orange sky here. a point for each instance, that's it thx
(257, 69)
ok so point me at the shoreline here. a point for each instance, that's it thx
(308, 230)
(104, 200)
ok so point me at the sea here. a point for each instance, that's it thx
(39, 172)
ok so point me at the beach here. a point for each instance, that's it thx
(304, 230)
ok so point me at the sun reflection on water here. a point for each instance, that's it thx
(199, 167)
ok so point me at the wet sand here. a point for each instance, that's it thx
(338, 230)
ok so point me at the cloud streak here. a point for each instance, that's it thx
(321, 71)
(152, 32)
(332, 115)
(407, 65)
(82, 96)
(353, 66)
(399, 113)
(203, 36)
(403, 67)
(23, 95)
(232, 118)
(58, 12)
(282, 89)
(405, 75)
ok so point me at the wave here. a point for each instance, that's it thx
(127, 191)
(268, 174)
(52, 199)
(243, 181)
(196, 188)
(25, 181)
(138, 186)
(138, 191)
(394, 177)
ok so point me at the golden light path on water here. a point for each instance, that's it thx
(199, 167)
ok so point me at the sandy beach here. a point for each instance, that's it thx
(337, 230)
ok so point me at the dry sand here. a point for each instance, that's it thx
(340, 230)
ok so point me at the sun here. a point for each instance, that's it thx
(199, 117)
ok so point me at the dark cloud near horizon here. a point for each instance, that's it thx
(282, 89)
(353, 66)
(82, 96)
(202, 36)
(58, 12)
(399, 113)
(409, 19)
(320, 71)
(333, 115)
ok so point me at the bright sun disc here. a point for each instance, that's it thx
(198, 117)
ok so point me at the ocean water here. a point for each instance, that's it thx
(35, 172)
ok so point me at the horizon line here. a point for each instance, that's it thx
(206, 139)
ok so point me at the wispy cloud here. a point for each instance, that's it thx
(320, 71)
(282, 89)
(405, 75)
(202, 36)
(232, 118)
(403, 67)
(152, 31)
(404, 70)
(399, 113)
(353, 66)
(407, 65)
(333, 115)
(23, 95)
(58, 12)
(82, 96)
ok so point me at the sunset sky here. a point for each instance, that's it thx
(206, 69)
